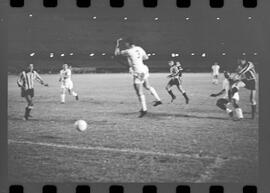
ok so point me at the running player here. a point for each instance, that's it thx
(135, 56)
(26, 83)
(176, 79)
(66, 83)
(215, 72)
(247, 78)
(223, 102)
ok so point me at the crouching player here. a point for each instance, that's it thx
(176, 79)
(66, 83)
(247, 78)
(223, 102)
(136, 56)
(26, 83)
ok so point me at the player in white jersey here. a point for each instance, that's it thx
(215, 73)
(223, 102)
(135, 56)
(66, 83)
(26, 83)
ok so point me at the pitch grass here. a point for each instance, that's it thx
(173, 143)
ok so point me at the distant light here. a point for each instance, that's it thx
(71, 54)
(51, 55)
(148, 54)
(204, 55)
(223, 54)
(156, 18)
(94, 17)
(92, 54)
(62, 55)
(103, 54)
(125, 18)
(32, 54)
(244, 54)
(187, 18)
(192, 54)
(255, 53)
(173, 55)
(30, 15)
(218, 18)
(249, 17)
(153, 54)
(176, 55)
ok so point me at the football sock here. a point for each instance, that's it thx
(27, 112)
(253, 111)
(63, 96)
(171, 93)
(154, 93)
(143, 102)
(185, 95)
(239, 113)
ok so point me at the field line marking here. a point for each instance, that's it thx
(100, 148)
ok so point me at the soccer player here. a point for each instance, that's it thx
(223, 102)
(247, 78)
(176, 79)
(26, 83)
(135, 56)
(66, 83)
(215, 71)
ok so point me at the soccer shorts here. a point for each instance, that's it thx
(140, 76)
(68, 84)
(27, 92)
(175, 81)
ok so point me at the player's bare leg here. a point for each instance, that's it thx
(183, 93)
(139, 91)
(238, 110)
(71, 92)
(253, 103)
(153, 92)
(169, 90)
(29, 107)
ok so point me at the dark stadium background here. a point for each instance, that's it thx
(68, 29)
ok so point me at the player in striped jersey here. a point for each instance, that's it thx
(247, 78)
(176, 79)
(26, 83)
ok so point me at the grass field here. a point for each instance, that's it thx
(175, 142)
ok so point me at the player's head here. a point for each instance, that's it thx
(226, 74)
(241, 61)
(128, 42)
(65, 66)
(171, 63)
(215, 63)
(30, 67)
(178, 64)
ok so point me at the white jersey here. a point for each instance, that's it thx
(65, 78)
(215, 69)
(136, 55)
(226, 87)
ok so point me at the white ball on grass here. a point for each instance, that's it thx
(80, 125)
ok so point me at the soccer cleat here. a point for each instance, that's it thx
(77, 97)
(173, 98)
(25, 118)
(142, 113)
(187, 100)
(156, 103)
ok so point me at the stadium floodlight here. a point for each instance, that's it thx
(71, 54)
(218, 18)
(173, 55)
(148, 54)
(125, 18)
(192, 54)
(92, 54)
(62, 55)
(255, 54)
(103, 54)
(32, 54)
(223, 54)
(243, 53)
(187, 18)
(94, 17)
(153, 54)
(203, 54)
(30, 15)
(176, 55)
(249, 17)
(51, 55)
(156, 18)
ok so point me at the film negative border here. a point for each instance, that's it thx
(144, 189)
(145, 3)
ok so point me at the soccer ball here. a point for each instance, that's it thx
(80, 125)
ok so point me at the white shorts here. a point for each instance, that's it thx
(68, 84)
(238, 84)
(141, 75)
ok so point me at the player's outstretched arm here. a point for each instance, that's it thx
(218, 94)
(40, 80)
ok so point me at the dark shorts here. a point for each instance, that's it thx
(27, 92)
(175, 81)
(250, 84)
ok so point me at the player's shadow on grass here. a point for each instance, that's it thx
(158, 115)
